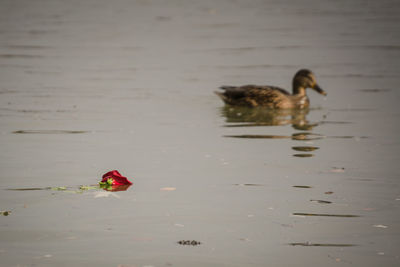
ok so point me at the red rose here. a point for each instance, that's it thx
(114, 178)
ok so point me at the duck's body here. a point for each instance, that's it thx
(271, 96)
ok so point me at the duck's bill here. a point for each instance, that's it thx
(319, 89)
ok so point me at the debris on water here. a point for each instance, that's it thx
(337, 169)
(302, 186)
(339, 259)
(5, 212)
(329, 193)
(189, 242)
(168, 189)
(380, 226)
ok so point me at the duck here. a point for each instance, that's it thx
(271, 96)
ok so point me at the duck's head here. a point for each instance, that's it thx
(304, 79)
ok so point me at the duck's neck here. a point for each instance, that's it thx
(298, 89)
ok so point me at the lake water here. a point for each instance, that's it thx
(91, 86)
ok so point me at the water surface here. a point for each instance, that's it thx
(92, 86)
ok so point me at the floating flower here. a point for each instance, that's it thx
(114, 181)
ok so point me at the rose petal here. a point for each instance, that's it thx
(117, 178)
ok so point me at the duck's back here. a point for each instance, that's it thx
(255, 95)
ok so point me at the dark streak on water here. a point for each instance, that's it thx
(349, 137)
(297, 136)
(358, 75)
(374, 90)
(48, 132)
(307, 244)
(247, 125)
(27, 47)
(33, 110)
(254, 48)
(321, 201)
(303, 155)
(29, 189)
(257, 136)
(24, 56)
(305, 148)
(353, 109)
(248, 184)
(326, 215)
(335, 122)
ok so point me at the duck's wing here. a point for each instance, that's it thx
(245, 90)
(253, 95)
(276, 89)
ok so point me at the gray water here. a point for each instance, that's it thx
(91, 86)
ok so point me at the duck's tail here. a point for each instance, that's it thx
(227, 87)
(222, 96)
(231, 93)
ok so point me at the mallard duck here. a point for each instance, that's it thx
(271, 96)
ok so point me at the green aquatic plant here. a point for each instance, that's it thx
(107, 182)
(59, 188)
(88, 187)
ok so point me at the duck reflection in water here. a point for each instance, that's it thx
(253, 105)
(259, 116)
